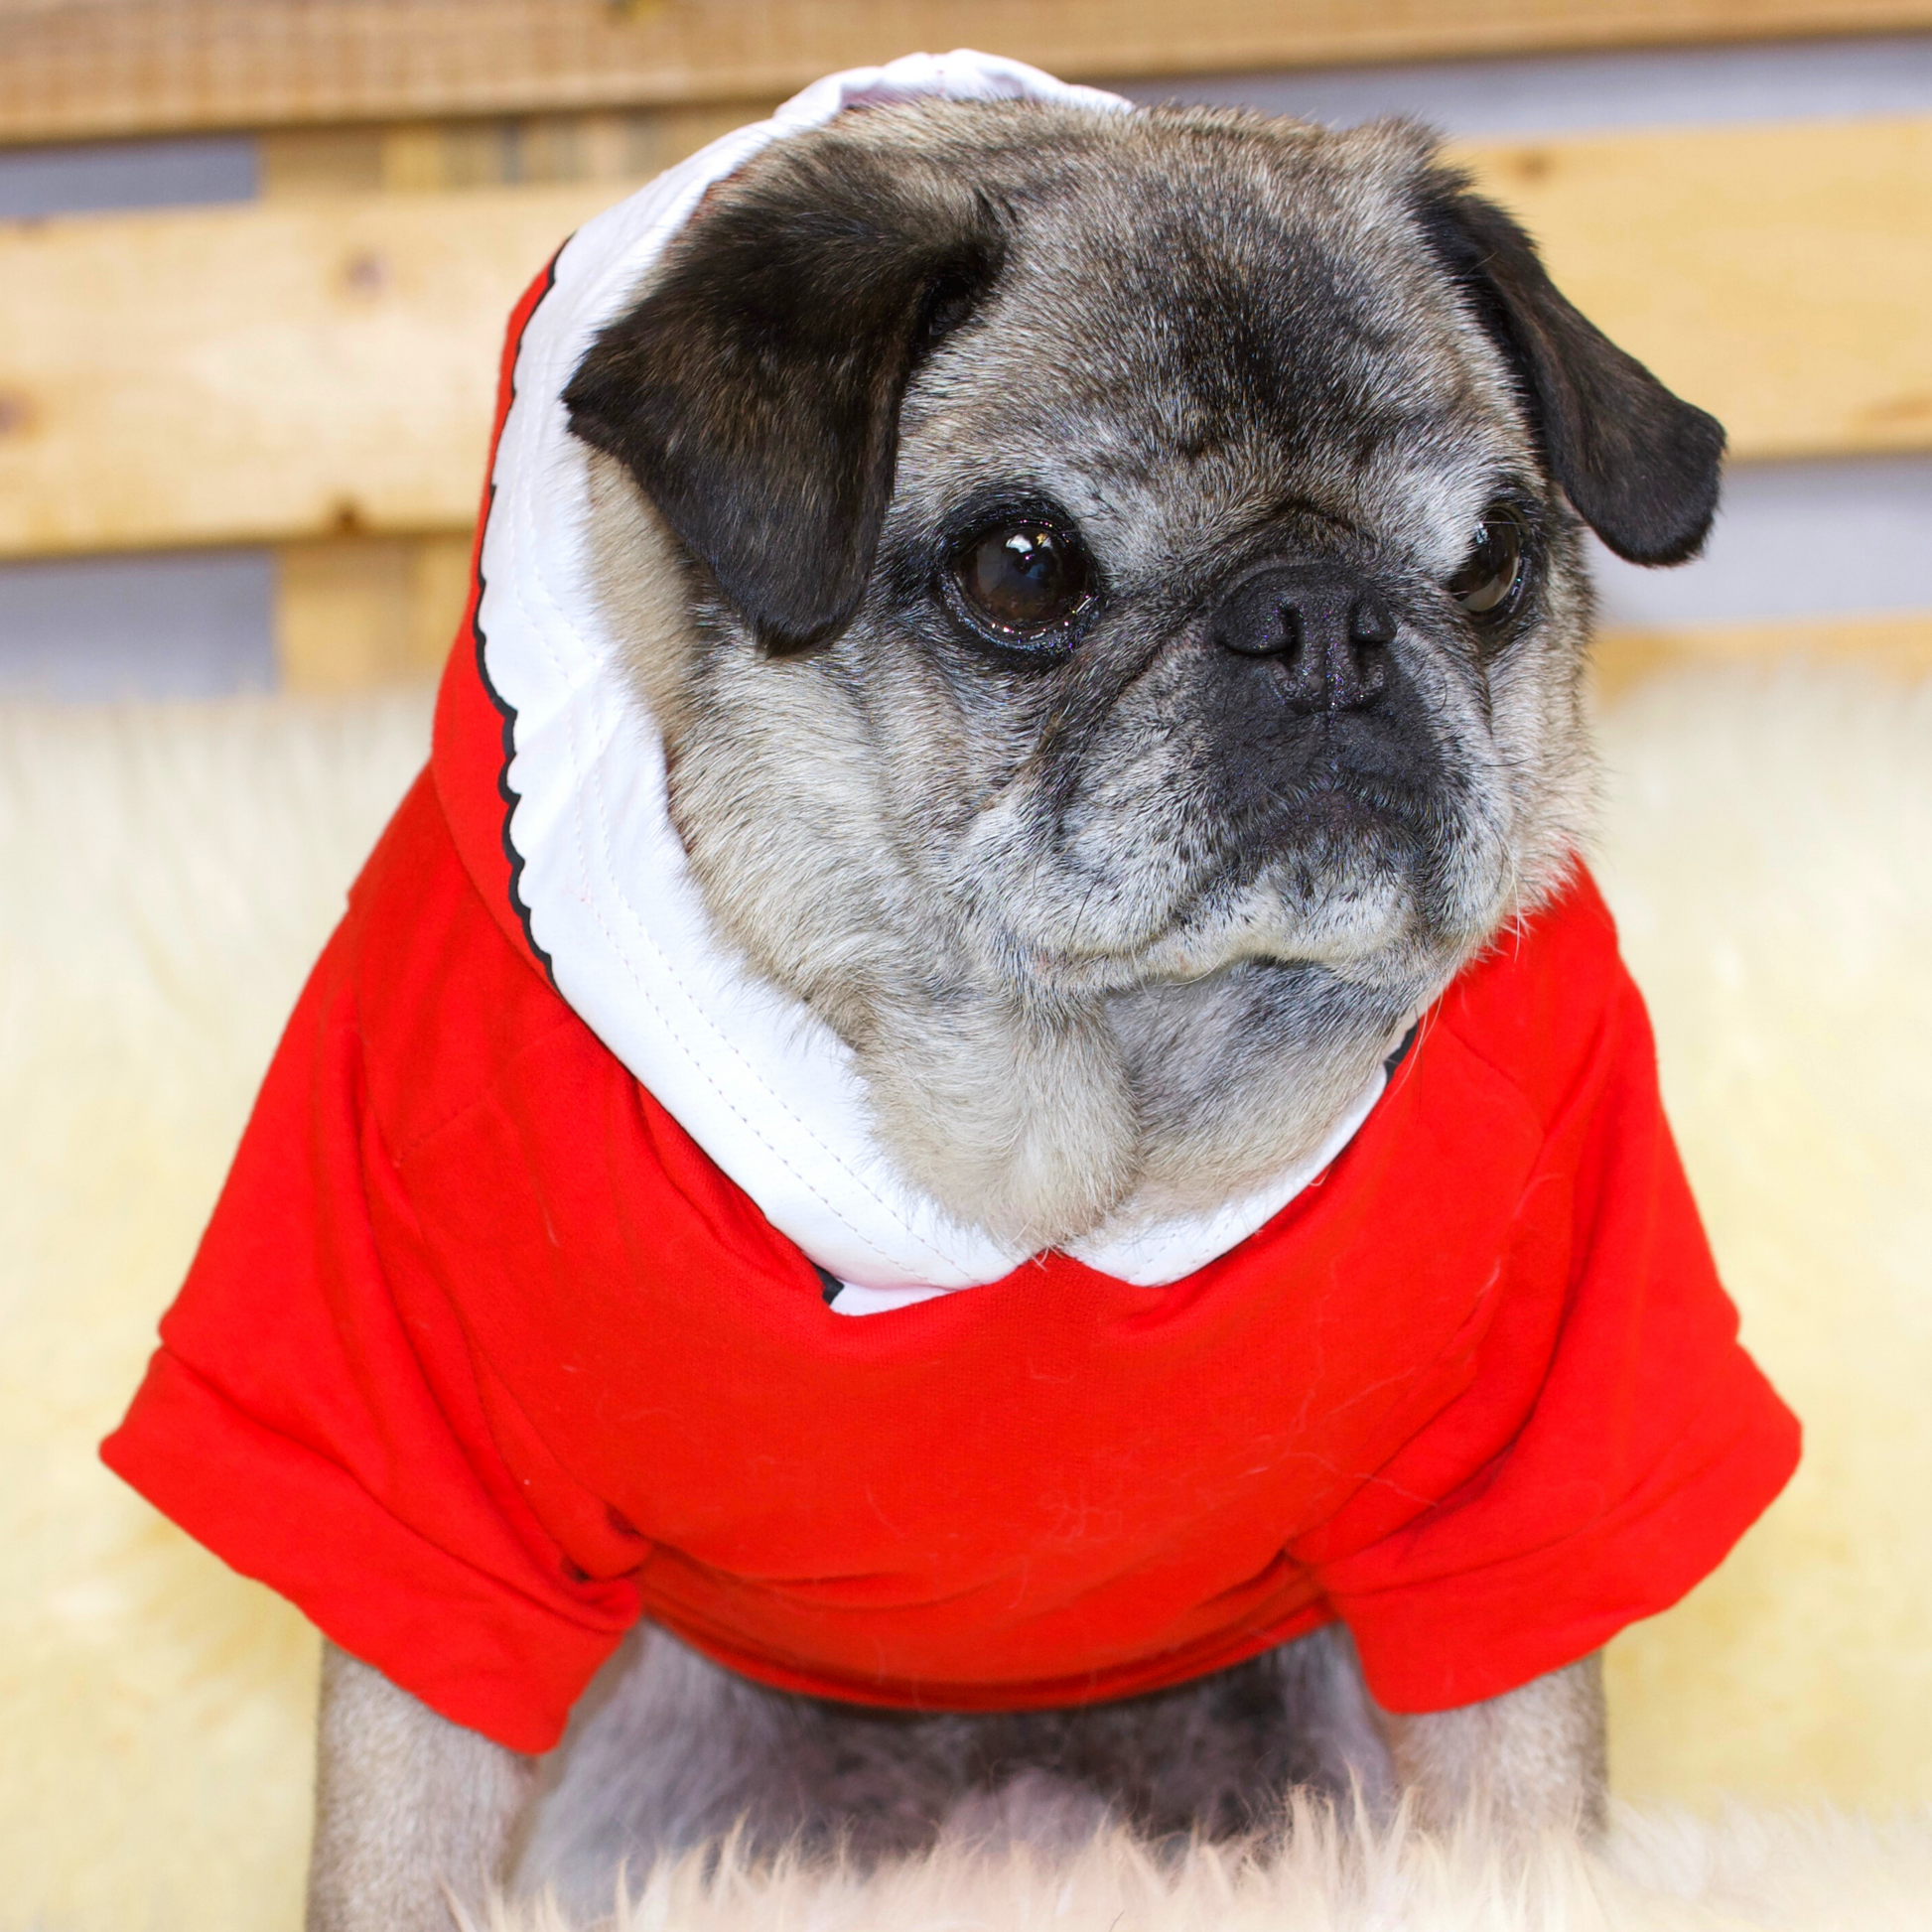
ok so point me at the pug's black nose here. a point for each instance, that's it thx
(1330, 630)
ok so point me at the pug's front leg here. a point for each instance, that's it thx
(410, 1809)
(1531, 1758)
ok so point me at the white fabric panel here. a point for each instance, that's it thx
(768, 1091)
(1171, 1250)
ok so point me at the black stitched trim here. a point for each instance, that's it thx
(507, 711)
(1401, 1053)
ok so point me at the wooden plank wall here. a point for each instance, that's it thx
(89, 68)
(314, 371)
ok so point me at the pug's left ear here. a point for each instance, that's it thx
(754, 390)
(1640, 464)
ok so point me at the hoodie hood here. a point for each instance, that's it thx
(551, 772)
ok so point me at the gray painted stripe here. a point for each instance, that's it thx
(1793, 541)
(1767, 81)
(1833, 79)
(94, 177)
(182, 625)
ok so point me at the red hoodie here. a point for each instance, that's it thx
(481, 1359)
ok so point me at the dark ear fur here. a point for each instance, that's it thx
(1640, 465)
(755, 391)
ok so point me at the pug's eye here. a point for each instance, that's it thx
(1491, 583)
(1024, 579)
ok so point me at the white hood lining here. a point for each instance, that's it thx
(756, 1078)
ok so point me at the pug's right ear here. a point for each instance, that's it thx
(1640, 465)
(754, 390)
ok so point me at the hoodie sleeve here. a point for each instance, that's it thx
(315, 1415)
(1616, 1440)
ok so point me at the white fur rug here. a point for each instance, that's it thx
(168, 875)
(1661, 1873)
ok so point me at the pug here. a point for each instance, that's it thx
(1111, 589)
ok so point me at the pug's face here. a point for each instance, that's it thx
(1111, 586)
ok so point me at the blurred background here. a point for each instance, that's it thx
(255, 256)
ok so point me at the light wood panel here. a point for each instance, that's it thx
(1894, 645)
(430, 157)
(1780, 276)
(303, 368)
(357, 611)
(88, 69)
(260, 373)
